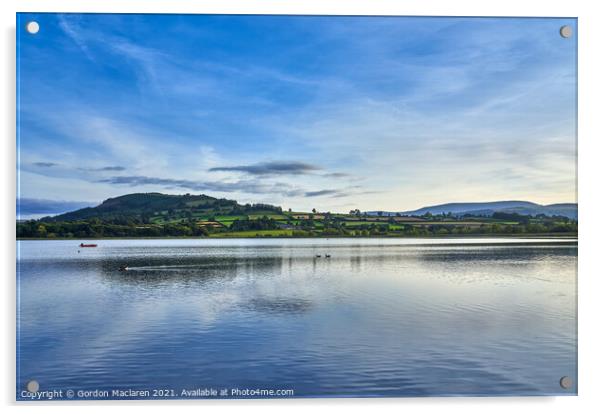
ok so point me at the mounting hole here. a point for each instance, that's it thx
(33, 386)
(566, 31)
(32, 27)
(566, 382)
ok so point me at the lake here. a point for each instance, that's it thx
(379, 317)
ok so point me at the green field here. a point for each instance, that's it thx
(362, 223)
(254, 233)
(155, 215)
(271, 216)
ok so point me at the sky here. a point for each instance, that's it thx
(332, 113)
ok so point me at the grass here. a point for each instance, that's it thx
(351, 222)
(449, 223)
(196, 203)
(254, 233)
(359, 223)
(272, 216)
(229, 218)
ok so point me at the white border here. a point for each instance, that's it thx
(590, 274)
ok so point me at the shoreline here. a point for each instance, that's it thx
(455, 236)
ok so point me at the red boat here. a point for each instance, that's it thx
(87, 245)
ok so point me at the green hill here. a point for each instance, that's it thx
(162, 208)
(164, 215)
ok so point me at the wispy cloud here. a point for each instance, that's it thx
(336, 175)
(71, 28)
(149, 63)
(272, 168)
(108, 168)
(246, 186)
(421, 110)
(322, 193)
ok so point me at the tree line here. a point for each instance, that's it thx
(95, 228)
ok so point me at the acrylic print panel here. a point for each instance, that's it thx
(295, 206)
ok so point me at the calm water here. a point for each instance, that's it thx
(380, 317)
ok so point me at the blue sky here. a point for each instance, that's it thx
(336, 113)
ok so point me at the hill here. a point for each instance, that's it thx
(487, 209)
(161, 208)
(163, 215)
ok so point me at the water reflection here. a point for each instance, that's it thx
(186, 270)
(373, 319)
(279, 305)
(199, 268)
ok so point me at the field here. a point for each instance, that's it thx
(157, 215)
(270, 223)
(254, 233)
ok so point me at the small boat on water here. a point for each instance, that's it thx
(124, 268)
(87, 245)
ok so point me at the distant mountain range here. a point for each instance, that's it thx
(488, 208)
